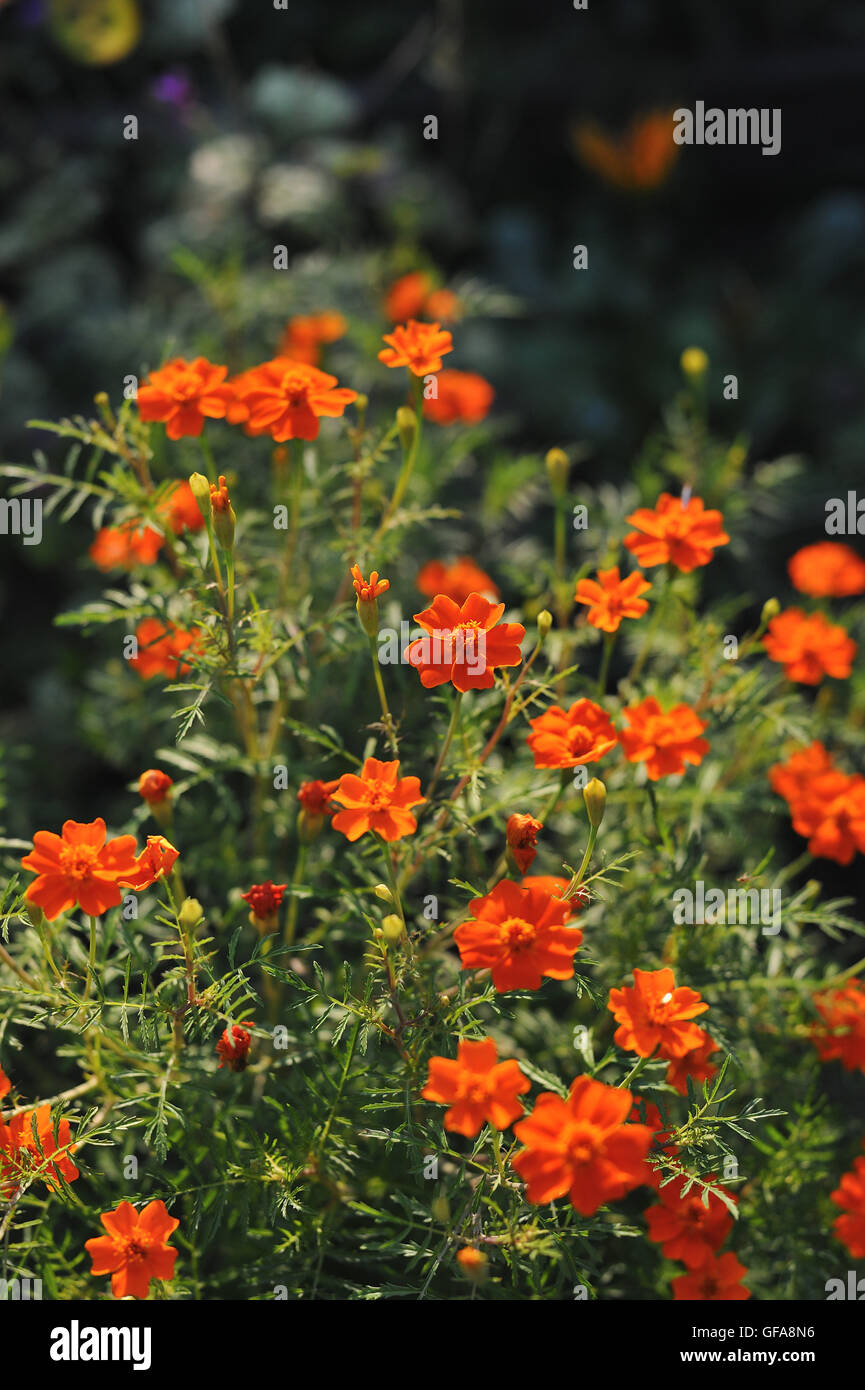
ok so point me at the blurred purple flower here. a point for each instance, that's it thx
(174, 88)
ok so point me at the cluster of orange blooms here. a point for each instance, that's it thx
(589, 1146)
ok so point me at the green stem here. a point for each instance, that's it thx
(410, 458)
(91, 959)
(443, 751)
(581, 872)
(635, 1071)
(207, 455)
(609, 643)
(392, 882)
(297, 876)
(386, 716)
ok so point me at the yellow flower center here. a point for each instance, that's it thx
(78, 861)
(517, 934)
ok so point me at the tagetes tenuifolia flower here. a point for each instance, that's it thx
(264, 900)
(5, 1084)
(378, 800)
(569, 738)
(685, 1229)
(407, 296)
(418, 346)
(25, 1155)
(582, 1147)
(827, 570)
(473, 1263)
(841, 1034)
(368, 589)
(233, 1047)
(717, 1281)
(305, 333)
(477, 1087)
(520, 935)
(655, 1012)
(809, 647)
(640, 158)
(183, 394)
(154, 786)
(694, 1063)
(161, 649)
(611, 599)
(286, 399)
(136, 1248)
(664, 740)
(315, 797)
(460, 396)
(457, 580)
(850, 1197)
(827, 805)
(155, 861)
(125, 546)
(78, 867)
(465, 643)
(679, 533)
(522, 833)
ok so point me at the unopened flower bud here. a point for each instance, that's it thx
(558, 466)
(595, 797)
(407, 424)
(382, 891)
(473, 1264)
(545, 622)
(201, 492)
(393, 929)
(191, 914)
(771, 609)
(224, 519)
(694, 363)
(367, 598)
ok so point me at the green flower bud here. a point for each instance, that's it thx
(595, 797)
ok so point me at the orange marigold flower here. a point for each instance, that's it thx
(305, 333)
(285, 399)
(154, 786)
(685, 1229)
(24, 1155)
(695, 1064)
(378, 801)
(832, 816)
(179, 510)
(264, 900)
(315, 797)
(456, 580)
(465, 643)
(407, 296)
(418, 346)
(370, 589)
(520, 935)
(183, 394)
(135, 1249)
(718, 1280)
(679, 533)
(663, 741)
(827, 570)
(560, 738)
(556, 887)
(477, 1087)
(582, 1147)
(808, 647)
(794, 779)
(640, 158)
(153, 863)
(160, 649)
(78, 867)
(522, 833)
(611, 599)
(233, 1047)
(841, 1035)
(473, 1263)
(124, 546)
(5, 1084)
(443, 305)
(463, 396)
(850, 1197)
(656, 1013)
